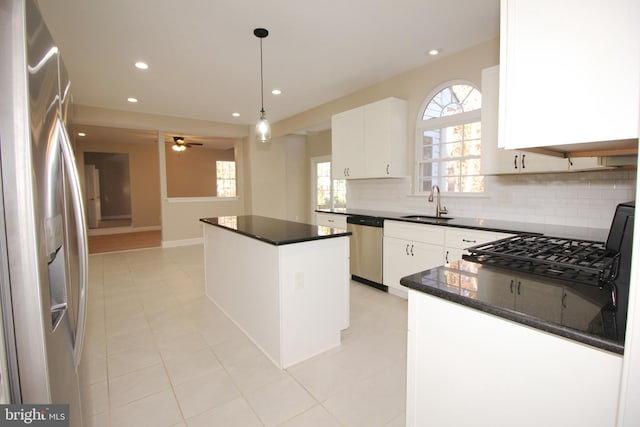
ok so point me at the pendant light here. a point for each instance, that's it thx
(263, 128)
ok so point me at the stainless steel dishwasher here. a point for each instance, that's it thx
(365, 250)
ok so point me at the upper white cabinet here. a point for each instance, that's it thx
(569, 72)
(370, 141)
(495, 160)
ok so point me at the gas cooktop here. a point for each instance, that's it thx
(579, 261)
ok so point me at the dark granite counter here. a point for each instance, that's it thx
(274, 231)
(578, 312)
(511, 227)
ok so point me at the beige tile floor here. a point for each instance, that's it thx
(159, 353)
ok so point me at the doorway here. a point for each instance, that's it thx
(108, 190)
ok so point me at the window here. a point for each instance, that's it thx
(225, 179)
(448, 144)
(329, 193)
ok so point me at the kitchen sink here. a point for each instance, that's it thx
(427, 218)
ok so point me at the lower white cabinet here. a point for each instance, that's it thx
(458, 239)
(331, 220)
(469, 368)
(404, 257)
(411, 248)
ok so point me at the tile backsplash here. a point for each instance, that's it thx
(586, 199)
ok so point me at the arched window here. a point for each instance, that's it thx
(448, 141)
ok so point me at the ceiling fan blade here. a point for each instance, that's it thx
(193, 143)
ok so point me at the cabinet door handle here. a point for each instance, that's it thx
(411, 250)
(446, 257)
(564, 300)
(406, 249)
(387, 169)
(519, 284)
(523, 161)
(515, 162)
(511, 285)
(468, 241)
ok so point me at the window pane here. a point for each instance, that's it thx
(453, 100)
(339, 193)
(471, 167)
(452, 150)
(450, 156)
(330, 193)
(473, 184)
(451, 184)
(225, 179)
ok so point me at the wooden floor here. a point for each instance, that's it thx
(124, 241)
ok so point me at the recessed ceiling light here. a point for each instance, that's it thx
(236, 114)
(276, 91)
(434, 52)
(82, 134)
(141, 65)
(132, 100)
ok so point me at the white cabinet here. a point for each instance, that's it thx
(347, 144)
(496, 160)
(496, 369)
(331, 220)
(370, 141)
(458, 239)
(409, 248)
(569, 72)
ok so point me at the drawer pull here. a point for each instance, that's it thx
(468, 241)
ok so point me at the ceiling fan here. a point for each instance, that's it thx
(180, 145)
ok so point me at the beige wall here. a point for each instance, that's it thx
(192, 173)
(144, 178)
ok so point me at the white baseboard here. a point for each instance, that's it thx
(186, 242)
(120, 230)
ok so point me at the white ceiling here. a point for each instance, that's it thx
(204, 58)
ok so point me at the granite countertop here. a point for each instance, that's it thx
(497, 225)
(274, 231)
(579, 312)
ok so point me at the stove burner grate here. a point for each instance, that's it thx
(580, 261)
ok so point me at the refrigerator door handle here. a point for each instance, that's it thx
(83, 256)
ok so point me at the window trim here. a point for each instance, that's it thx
(438, 123)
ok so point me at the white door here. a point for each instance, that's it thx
(92, 181)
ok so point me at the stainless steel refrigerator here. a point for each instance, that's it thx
(43, 243)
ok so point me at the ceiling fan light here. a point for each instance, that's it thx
(263, 128)
(177, 147)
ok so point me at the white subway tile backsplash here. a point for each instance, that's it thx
(585, 199)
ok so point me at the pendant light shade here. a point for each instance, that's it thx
(263, 128)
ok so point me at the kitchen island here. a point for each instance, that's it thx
(284, 284)
(488, 346)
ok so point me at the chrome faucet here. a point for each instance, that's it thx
(439, 209)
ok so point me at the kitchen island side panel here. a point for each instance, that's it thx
(241, 278)
(314, 280)
(467, 367)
